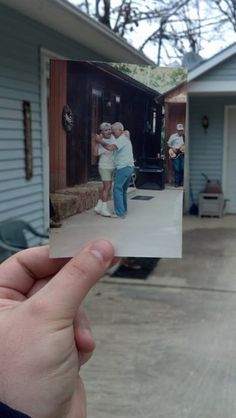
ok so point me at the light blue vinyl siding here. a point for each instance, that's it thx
(21, 40)
(225, 71)
(206, 149)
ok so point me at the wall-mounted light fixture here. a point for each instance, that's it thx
(205, 123)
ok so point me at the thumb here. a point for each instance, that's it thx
(62, 296)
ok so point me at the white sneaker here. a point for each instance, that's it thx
(98, 206)
(104, 210)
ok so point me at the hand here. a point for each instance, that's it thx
(127, 134)
(44, 332)
(99, 138)
(110, 147)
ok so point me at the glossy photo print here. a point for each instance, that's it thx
(117, 157)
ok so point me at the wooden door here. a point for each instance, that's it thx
(57, 136)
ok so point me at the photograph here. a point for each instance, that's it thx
(116, 146)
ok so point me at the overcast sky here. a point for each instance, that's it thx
(137, 37)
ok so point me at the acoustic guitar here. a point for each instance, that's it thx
(176, 154)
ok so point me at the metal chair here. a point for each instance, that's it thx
(13, 235)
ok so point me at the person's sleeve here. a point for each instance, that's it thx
(6, 412)
(114, 142)
(120, 142)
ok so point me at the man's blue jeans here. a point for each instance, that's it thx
(121, 184)
(179, 170)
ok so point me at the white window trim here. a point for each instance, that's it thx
(198, 87)
(187, 202)
(225, 145)
(45, 56)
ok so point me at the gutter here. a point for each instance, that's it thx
(104, 30)
(66, 19)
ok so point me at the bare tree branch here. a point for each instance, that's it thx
(103, 17)
(178, 26)
(85, 6)
(228, 9)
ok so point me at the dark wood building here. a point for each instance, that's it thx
(96, 93)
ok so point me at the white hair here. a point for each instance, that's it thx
(105, 125)
(118, 125)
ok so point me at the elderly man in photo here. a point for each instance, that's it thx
(124, 164)
(176, 145)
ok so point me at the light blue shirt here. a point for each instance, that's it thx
(175, 141)
(123, 156)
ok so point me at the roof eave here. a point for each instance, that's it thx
(211, 62)
(125, 78)
(63, 17)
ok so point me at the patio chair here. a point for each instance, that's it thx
(13, 235)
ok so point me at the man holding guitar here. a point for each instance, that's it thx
(176, 145)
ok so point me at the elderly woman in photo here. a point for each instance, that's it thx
(106, 167)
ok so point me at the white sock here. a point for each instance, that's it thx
(104, 210)
(99, 204)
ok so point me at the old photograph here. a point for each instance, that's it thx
(117, 142)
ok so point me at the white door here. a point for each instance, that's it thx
(230, 159)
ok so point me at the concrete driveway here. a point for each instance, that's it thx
(166, 346)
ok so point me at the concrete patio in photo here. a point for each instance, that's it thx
(166, 345)
(152, 227)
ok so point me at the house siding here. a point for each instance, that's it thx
(206, 149)
(21, 40)
(226, 71)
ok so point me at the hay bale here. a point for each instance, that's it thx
(64, 205)
(76, 199)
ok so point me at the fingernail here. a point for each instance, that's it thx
(102, 250)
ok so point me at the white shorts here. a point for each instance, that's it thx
(106, 174)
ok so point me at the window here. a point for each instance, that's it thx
(154, 121)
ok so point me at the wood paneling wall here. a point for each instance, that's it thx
(57, 135)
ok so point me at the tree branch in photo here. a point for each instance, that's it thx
(228, 9)
(179, 26)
